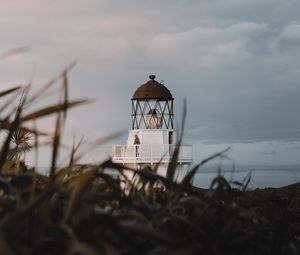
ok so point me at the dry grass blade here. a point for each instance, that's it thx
(82, 183)
(33, 131)
(30, 207)
(5, 186)
(53, 109)
(55, 147)
(151, 176)
(17, 151)
(24, 149)
(75, 148)
(9, 102)
(109, 164)
(5, 248)
(190, 175)
(111, 182)
(97, 143)
(120, 168)
(9, 91)
(187, 180)
(183, 120)
(36, 143)
(173, 163)
(65, 93)
(4, 124)
(158, 164)
(220, 184)
(246, 181)
(14, 51)
(48, 85)
(148, 233)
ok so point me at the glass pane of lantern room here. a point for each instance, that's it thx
(138, 107)
(161, 106)
(145, 106)
(152, 103)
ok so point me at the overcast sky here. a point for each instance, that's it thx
(235, 61)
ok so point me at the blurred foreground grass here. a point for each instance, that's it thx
(79, 209)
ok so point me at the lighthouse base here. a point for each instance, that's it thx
(161, 169)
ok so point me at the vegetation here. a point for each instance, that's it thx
(79, 209)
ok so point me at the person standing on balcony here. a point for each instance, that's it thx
(136, 142)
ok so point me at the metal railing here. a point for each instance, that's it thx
(150, 153)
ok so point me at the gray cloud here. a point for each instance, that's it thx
(204, 47)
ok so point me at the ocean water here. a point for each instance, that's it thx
(262, 176)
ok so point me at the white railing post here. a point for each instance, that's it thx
(151, 154)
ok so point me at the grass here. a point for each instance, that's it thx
(79, 209)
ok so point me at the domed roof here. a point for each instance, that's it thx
(152, 90)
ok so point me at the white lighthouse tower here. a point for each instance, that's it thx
(152, 138)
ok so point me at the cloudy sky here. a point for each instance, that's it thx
(235, 61)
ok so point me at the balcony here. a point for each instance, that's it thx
(152, 153)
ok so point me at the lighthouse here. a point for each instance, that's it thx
(152, 138)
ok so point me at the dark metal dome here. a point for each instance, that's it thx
(152, 90)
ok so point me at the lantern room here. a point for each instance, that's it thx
(152, 106)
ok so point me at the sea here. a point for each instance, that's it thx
(260, 176)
